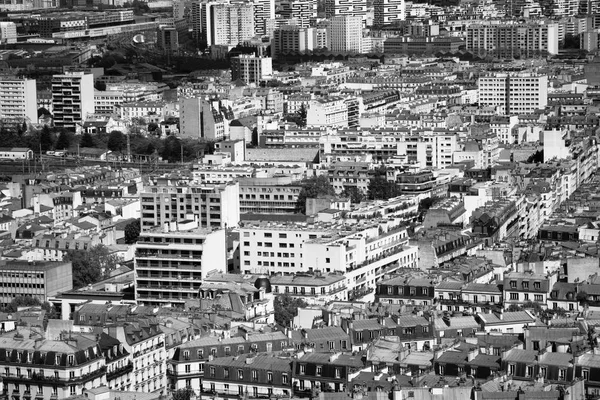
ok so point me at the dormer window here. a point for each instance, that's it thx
(525, 285)
(513, 284)
(58, 360)
(537, 285)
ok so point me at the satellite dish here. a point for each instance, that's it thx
(139, 38)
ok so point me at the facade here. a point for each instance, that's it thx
(510, 40)
(36, 279)
(303, 11)
(355, 8)
(293, 39)
(8, 32)
(264, 10)
(329, 372)
(313, 289)
(72, 99)
(330, 112)
(207, 205)
(388, 12)
(167, 39)
(251, 69)
(225, 24)
(514, 94)
(402, 289)
(344, 34)
(170, 266)
(202, 119)
(267, 195)
(49, 369)
(254, 375)
(521, 288)
(18, 99)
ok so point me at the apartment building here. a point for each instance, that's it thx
(293, 39)
(525, 287)
(36, 279)
(264, 10)
(50, 369)
(513, 39)
(514, 94)
(273, 195)
(355, 8)
(344, 34)
(303, 11)
(18, 99)
(329, 112)
(165, 201)
(8, 32)
(107, 102)
(72, 99)
(387, 12)
(222, 23)
(189, 366)
(251, 69)
(316, 289)
(202, 119)
(170, 266)
(251, 375)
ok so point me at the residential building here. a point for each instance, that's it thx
(50, 369)
(248, 374)
(165, 202)
(329, 372)
(401, 289)
(293, 39)
(317, 289)
(513, 39)
(36, 279)
(268, 195)
(167, 39)
(202, 119)
(251, 69)
(170, 266)
(303, 11)
(224, 23)
(344, 34)
(189, 366)
(514, 93)
(8, 32)
(388, 12)
(355, 8)
(264, 10)
(18, 98)
(327, 112)
(72, 99)
(524, 287)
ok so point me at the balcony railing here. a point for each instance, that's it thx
(119, 371)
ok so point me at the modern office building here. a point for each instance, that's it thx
(514, 94)
(303, 11)
(36, 279)
(202, 119)
(72, 98)
(388, 12)
(251, 69)
(171, 264)
(513, 40)
(355, 8)
(344, 34)
(168, 201)
(18, 99)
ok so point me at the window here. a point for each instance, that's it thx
(536, 345)
(225, 372)
(212, 371)
(240, 374)
(284, 379)
(255, 376)
(525, 285)
(562, 374)
(513, 284)
(338, 373)
(537, 285)
(585, 374)
(529, 371)
(319, 370)
(538, 297)
(543, 371)
(302, 369)
(442, 370)
(241, 390)
(188, 368)
(511, 369)
(269, 377)
(227, 351)
(72, 390)
(514, 296)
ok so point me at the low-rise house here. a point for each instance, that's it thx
(402, 289)
(453, 327)
(322, 340)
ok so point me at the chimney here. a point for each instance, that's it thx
(472, 354)
(249, 360)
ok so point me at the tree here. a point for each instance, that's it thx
(46, 139)
(172, 149)
(64, 141)
(380, 188)
(132, 232)
(311, 188)
(183, 394)
(116, 141)
(87, 140)
(582, 297)
(152, 127)
(42, 111)
(355, 194)
(90, 266)
(286, 308)
(22, 301)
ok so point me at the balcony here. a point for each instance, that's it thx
(119, 372)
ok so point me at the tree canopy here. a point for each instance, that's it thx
(117, 141)
(64, 141)
(311, 188)
(92, 265)
(132, 232)
(286, 308)
(87, 140)
(380, 188)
